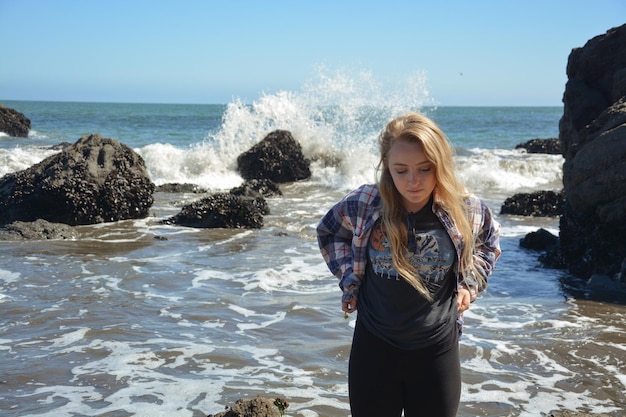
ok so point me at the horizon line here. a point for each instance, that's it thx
(249, 103)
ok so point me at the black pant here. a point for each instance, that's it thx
(384, 380)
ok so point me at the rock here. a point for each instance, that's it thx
(257, 188)
(543, 240)
(553, 258)
(180, 188)
(13, 123)
(278, 157)
(59, 146)
(38, 230)
(575, 414)
(257, 407)
(223, 210)
(539, 240)
(605, 283)
(538, 204)
(93, 181)
(594, 176)
(548, 146)
(592, 134)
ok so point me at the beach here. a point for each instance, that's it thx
(138, 318)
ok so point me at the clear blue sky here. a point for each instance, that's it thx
(202, 51)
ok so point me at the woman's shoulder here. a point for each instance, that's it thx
(472, 199)
(479, 212)
(366, 193)
(367, 189)
(478, 205)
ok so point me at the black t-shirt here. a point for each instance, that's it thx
(390, 307)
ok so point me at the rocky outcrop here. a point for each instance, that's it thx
(222, 210)
(538, 204)
(13, 123)
(539, 240)
(180, 188)
(256, 407)
(278, 157)
(257, 188)
(37, 230)
(592, 134)
(242, 207)
(548, 146)
(92, 181)
(548, 244)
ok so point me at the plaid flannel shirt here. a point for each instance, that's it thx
(343, 235)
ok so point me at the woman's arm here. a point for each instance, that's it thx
(342, 237)
(334, 237)
(486, 248)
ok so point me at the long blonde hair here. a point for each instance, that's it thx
(416, 128)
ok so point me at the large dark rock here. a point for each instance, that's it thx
(592, 133)
(548, 146)
(538, 204)
(222, 210)
(13, 123)
(93, 181)
(278, 157)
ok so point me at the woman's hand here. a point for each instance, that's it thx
(464, 298)
(349, 306)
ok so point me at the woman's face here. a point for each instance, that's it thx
(412, 174)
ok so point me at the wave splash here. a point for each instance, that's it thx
(335, 117)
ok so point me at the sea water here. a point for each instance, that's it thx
(136, 318)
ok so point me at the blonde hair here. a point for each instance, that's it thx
(416, 128)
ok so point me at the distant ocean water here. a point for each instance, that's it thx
(118, 323)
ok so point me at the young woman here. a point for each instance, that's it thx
(411, 253)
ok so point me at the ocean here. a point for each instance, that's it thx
(137, 318)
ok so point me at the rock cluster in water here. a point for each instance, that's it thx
(549, 146)
(255, 407)
(93, 181)
(276, 159)
(13, 123)
(222, 210)
(99, 180)
(540, 203)
(38, 230)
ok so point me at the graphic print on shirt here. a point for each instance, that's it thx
(430, 252)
